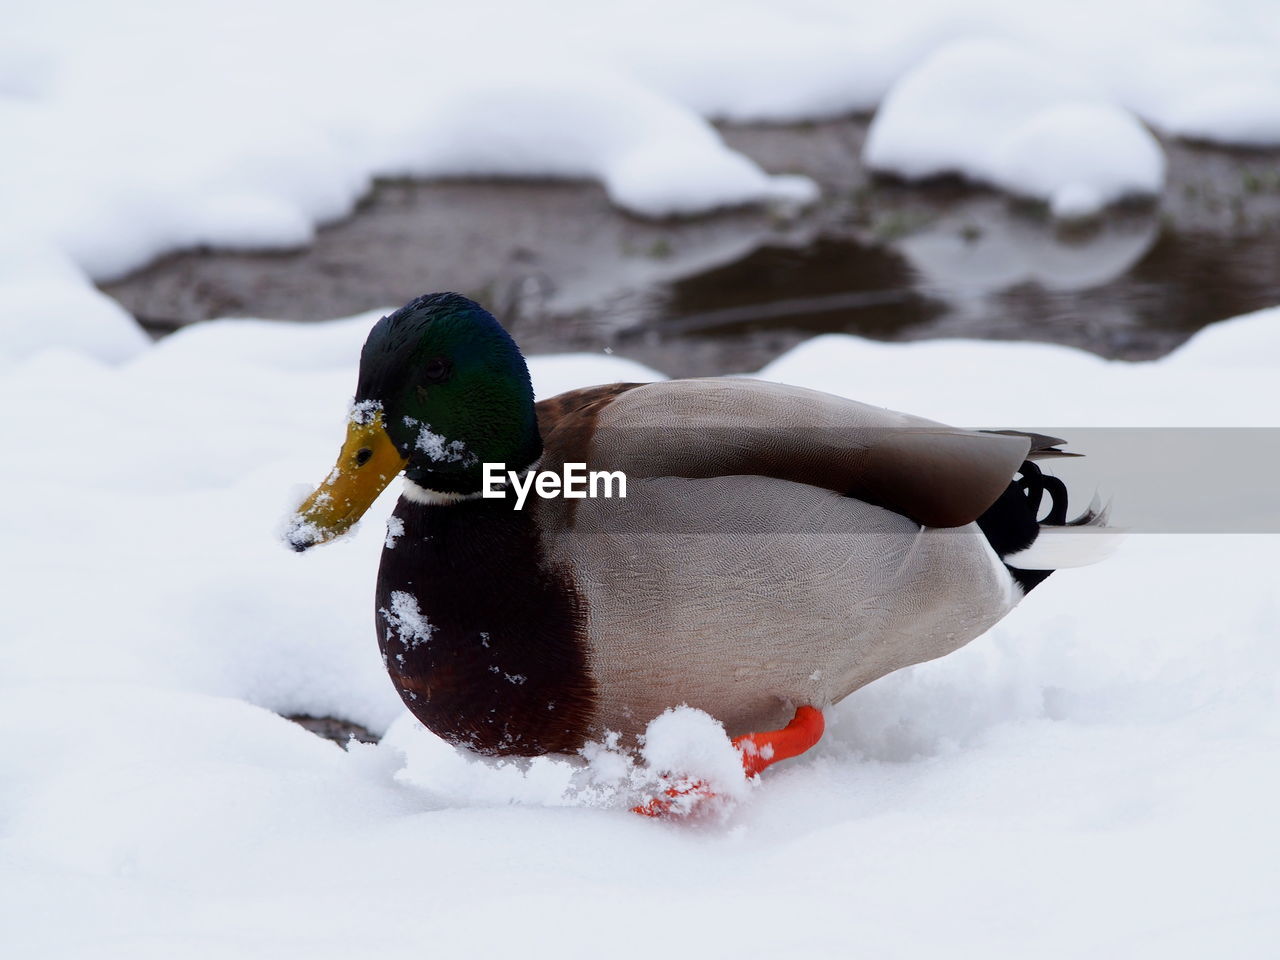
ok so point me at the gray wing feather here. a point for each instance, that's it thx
(935, 474)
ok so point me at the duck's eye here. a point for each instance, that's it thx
(362, 456)
(437, 370)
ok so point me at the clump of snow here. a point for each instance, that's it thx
(405, 621)
(1080, 157)
(365, 412)
(1017, 120)
(298, 530)
(690, 751)
(395, 530)
(688, 741)
(298, 533)
(437, 447)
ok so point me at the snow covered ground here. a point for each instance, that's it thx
(1096, 776)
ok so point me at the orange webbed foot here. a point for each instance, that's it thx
(679, 800)
(760, 750)
(757, 750)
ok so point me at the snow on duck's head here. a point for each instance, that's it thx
(453, 389)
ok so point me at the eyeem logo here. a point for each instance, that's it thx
(575, 483)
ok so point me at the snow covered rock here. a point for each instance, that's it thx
(1019, 121)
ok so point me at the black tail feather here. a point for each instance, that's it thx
(1043, 446)
(1013, 522)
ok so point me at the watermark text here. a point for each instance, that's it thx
(574, 482)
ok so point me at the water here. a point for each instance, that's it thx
(728, 293)
(1129, 290)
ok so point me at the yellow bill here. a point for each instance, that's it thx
(367, 463)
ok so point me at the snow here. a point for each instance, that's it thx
(1223, 377)
(1245, 114)
(364, 412)
(434, 445)
(395, 530)
(1016, 120)
(688, 742)
(47, 304)
(405, 622)
(1096, 770)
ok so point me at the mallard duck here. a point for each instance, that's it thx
(776, 549)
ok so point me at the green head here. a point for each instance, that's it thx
(454, 391)
(443, 389)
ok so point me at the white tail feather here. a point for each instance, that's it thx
(1057, 548)
(1083, 541)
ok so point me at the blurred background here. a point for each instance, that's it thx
(730, 291)
(697, 188)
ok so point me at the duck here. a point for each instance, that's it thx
(775, 548)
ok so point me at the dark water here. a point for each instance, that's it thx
(1137, 294)
(728, 293)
